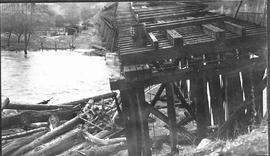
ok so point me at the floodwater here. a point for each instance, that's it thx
(62, 75)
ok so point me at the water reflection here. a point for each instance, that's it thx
(62, 75)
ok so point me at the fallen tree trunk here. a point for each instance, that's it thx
(4, 104)
(85, 100)
(39, 124)
(54, 121)
(99, 141)
(105, 150)
(58, 145)
(16, 144)
(103, 134)
(18, 106)
(24, 119)
(80, 146)
(23, 134)
(50, 135)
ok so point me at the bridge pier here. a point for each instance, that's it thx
(136, 123)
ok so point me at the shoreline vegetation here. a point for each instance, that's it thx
(64, 31)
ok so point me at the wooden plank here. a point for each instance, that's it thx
(140, 35)
(214, 32)
(170, 15)
(153, 40)
(250, 43)
(235, 28)
(175, 38)
(184, 23)
(169, 12)
(166, 8)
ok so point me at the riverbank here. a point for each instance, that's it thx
(82, 40)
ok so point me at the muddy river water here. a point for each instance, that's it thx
(61, 75)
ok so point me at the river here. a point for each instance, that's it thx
(62, 75)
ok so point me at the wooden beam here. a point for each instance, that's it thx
(213, 31)
(140, 35)
(184, 102)
(175, 38)
(153, 13)
(185, 23)
(153, 40)
(74, 1)
(225, 68)
(170, 15)
(183, 7)
(171, 116)
(148, 55)
(165, 119)
(137, 72)
(159, 92)
(235, 28)
(133, 102)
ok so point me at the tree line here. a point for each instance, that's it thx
(22, 19)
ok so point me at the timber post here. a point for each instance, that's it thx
(136, 122)
(171, 116)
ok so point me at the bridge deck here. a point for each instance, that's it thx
(198, 34)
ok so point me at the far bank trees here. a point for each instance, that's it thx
(22, 19)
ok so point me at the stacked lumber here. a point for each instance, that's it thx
(73, 128)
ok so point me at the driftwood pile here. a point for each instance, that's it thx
(74, 128)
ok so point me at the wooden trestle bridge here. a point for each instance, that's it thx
(194, 54)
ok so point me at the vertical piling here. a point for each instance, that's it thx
(136, 124)
(171, 116)
(216, 98)
(234, 97)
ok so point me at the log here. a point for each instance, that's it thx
(95, 98)
(19, 106)
(4, 104)
(105, 150)
(54, 121)
(117, 133)
(23, 134)
(25, 118)
(58, 145)
(50, 135)
(103, 142)
(71, 151)
(103, 134)
(38, 125)
(13, 146)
